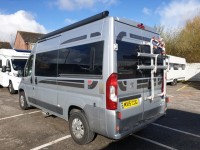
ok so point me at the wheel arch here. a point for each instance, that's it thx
(73, 108)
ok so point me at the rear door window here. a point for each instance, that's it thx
(127, 61)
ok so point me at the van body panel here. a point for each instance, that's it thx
(71, 70)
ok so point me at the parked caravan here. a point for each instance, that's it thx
(12, 63)
(103, 74)
(177, 69)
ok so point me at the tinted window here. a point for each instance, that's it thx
(46, 64)
(18, 64)
(0, 63)
(28, 67)
(127, 61)
(83, 59)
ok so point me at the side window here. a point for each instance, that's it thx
(176, 67)
(28, 67)
(46, 64)
(82, 59)
(183, 67)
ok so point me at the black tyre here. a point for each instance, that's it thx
(79, 128)
(11, 89)
(174, 82)
(22, 101)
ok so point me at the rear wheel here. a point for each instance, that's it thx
(22, 101)
(174, 82)
(79, 128)
(11, 89)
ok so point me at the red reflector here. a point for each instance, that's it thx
(117, 128)
(167, 99)
(119, 115)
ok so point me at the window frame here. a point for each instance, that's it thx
(28, 69)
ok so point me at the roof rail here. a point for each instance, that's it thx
(77, 24)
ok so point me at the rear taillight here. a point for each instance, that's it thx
(111, 92)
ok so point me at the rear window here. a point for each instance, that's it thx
(127, 61)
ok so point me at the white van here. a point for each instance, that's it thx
(103, 74)
(12, 63)
(177, 69)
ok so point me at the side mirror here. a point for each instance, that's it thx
(21, 73)
(8, 69)
(3, 69)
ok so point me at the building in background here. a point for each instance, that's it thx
(26, 40)
(5, 45)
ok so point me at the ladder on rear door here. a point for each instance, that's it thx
(153, 66)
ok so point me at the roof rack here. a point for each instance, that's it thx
(77, 24)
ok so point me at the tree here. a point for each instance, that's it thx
(183, 43)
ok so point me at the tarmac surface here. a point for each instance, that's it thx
(179, 129)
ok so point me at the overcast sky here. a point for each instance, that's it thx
(44, 16)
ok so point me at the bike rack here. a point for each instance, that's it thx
(153, 67)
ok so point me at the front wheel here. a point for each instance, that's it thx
(79, 128)
(22, 101)
(11, 89)
(174, 82)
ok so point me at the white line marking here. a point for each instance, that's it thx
(154, 142)
(198, 136)
(19, 115)
(51, 143)
(182, 87)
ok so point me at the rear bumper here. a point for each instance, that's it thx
(134, 128)
(129, 126)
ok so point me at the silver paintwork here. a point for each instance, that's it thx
(93, 101)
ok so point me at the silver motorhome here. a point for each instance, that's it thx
(102, 74)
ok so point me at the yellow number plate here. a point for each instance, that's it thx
(130, 103)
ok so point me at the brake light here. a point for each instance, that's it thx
(141, 26)
(111, 92)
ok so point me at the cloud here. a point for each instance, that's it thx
(71, 5)
(21, 20)
(147, 11)
(177, 12)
